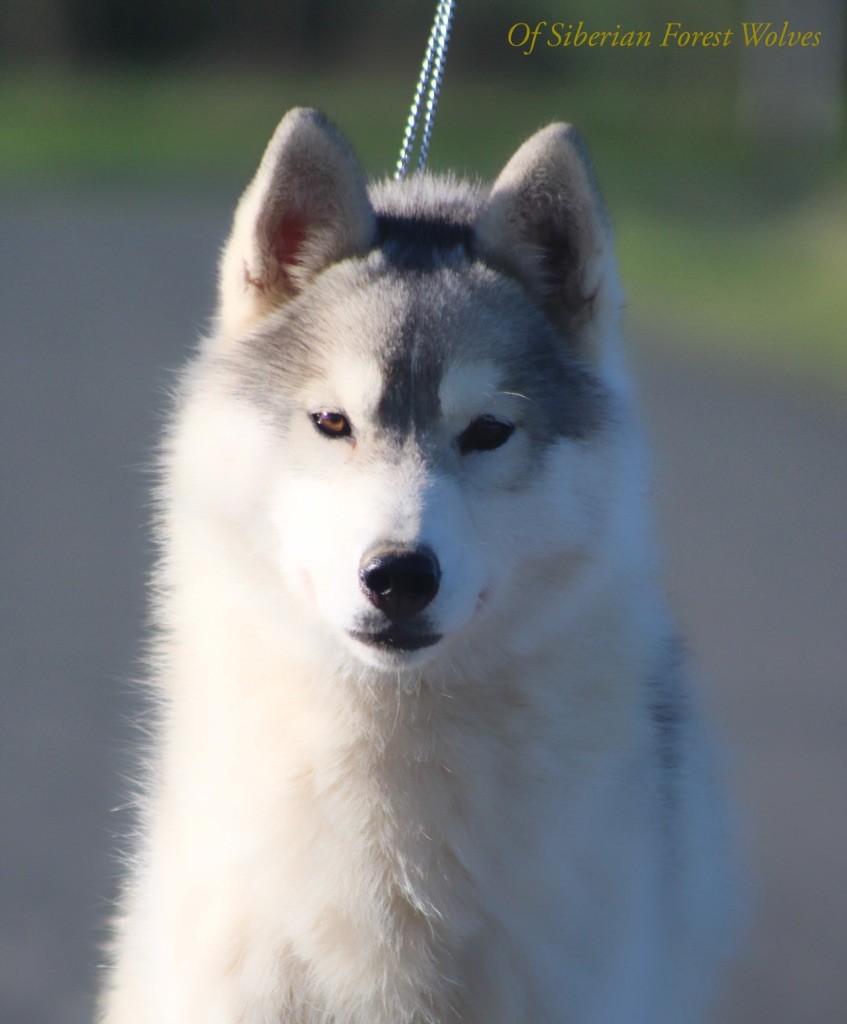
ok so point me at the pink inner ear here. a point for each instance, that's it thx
(287, 240)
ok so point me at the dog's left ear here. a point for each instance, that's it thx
(306, 208)
(544, 223)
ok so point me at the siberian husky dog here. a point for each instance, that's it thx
(424, 752)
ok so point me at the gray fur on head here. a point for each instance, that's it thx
(542, 223)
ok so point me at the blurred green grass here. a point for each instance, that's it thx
(733, 249)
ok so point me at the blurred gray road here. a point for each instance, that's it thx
(97, 300)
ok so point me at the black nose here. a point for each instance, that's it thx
(400, 582)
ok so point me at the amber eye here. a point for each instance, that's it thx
(331, 424)
(484, 434)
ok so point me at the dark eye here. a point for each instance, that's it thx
(484, 434)
(331, 424)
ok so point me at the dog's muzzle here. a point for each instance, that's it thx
(400, 583)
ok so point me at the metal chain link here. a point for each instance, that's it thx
(429, 82)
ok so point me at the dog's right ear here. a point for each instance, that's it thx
(306, 208)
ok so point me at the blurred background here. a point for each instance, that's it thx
(128, 129)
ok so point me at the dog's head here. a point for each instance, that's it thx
(404, 406)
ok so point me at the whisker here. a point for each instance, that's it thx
(516, 394)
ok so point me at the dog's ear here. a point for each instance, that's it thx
(306, 208)
(544, 223)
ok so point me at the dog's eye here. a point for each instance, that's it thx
(484, 434)
(331, 424)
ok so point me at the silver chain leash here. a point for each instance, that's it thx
(429, 82)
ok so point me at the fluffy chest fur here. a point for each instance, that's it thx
(419, 857)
